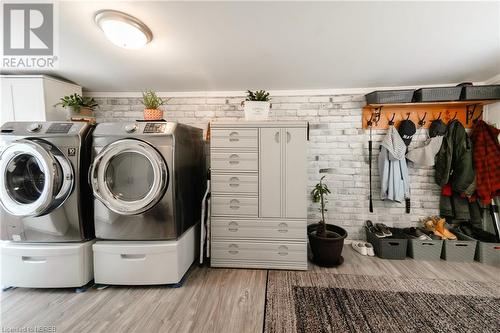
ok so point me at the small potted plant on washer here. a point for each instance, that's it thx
(152, 103)
(257, 105)
(326, 240)
(78, 106)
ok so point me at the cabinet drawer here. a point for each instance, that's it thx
(234, 161)
(235, 183)
(234, 138)
(259, 251)
(234, 205)
(264, 229)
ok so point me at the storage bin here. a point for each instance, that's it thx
(481, 92)
(425, 249)
(462, 250)
(487, 253)
(390, 96)
(390, 247)
(442, 94)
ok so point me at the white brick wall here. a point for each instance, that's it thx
(337, 141)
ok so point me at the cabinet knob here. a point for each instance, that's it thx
(234, 182)
(233, 159)
(234, 204)
(232, 226)
(282, 227)
(288, 137)
(233, 249)
(282, 250)
(233, 137)
(277, 137)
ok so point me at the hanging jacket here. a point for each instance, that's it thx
(486, 156)
(393, 171)
(454, 161)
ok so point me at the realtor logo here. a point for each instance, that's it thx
(28, 35)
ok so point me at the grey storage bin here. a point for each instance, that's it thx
(425, 249)
(462, 250)
(487, 253)
(442, 94)
(388, 248)
(390, 96)
(470, 93)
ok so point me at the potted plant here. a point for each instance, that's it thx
(152, 104)
(257, 105)
(326, 240)
(78, 106)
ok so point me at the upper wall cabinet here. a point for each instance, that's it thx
(32, 97)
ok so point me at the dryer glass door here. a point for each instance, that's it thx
(129, 176)
(36, 178)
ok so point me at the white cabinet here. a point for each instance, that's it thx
(259, 202)
(32, 97)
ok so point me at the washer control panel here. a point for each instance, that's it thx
(155, 128)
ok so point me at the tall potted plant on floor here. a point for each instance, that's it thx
(78, 106)
(326, 240)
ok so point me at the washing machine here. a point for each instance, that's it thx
(45, 207)
(148, 179)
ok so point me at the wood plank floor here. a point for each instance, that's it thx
(212, 300)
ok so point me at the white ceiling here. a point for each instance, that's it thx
(283, 45)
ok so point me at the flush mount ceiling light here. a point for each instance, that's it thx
(122, 29)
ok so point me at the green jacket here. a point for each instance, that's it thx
(454, 161)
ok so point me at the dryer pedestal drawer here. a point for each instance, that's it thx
(234, 205)
(46, 265)
(263, 229)
(259, 252)
(144, 262)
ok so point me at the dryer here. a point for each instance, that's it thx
(148, 180)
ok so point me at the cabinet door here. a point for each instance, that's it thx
(27, 99)
(270, 172)
(295, 169)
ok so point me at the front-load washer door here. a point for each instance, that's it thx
(129, 176)
(35, 178)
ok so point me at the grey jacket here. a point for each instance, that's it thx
(395, 183)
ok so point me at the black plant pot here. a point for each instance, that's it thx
(327, 251)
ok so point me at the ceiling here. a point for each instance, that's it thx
(207, 46)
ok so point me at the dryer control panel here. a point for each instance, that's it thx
(155, 128)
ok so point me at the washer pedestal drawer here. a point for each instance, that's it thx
(144, 262)
(46, 265)
(279, 255)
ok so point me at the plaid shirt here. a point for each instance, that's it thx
(486, 156)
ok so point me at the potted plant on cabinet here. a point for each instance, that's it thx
(78, 106)
(152, 103)
(257, 105)
(326, 240)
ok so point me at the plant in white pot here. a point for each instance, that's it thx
(152, 103)
(78, 106)
(257, 105)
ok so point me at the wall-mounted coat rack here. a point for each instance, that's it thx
(381, 115)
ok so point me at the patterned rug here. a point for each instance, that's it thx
(312, 302)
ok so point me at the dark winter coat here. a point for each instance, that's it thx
(454, 161)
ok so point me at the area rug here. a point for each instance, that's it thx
(325, 302)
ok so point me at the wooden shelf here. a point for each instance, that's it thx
(446, 111)
(442, 104)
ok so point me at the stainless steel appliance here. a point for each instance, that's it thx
(148, 179)
(44, 194)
